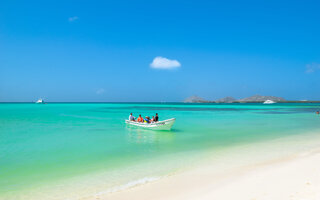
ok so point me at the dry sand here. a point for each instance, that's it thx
(292, 178)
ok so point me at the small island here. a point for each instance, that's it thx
(252, 99)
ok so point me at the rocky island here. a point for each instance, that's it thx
(259, 98)
(195, 99)
(251, 99)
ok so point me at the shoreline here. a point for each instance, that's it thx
(294, 176)
(213, 174)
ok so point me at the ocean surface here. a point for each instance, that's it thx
(87, 149)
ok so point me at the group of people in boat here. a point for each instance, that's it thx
(144, 120)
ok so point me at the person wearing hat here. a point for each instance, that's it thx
(147, 119)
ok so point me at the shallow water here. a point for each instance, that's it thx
(48, 144)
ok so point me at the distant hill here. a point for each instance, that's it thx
(259, 98)
(226, 100)
(195, 99)
(254, 98)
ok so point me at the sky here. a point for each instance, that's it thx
(145, 51)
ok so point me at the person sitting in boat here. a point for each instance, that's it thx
(156, 118)
(152, 120)
(147, 119)
(140, 119)
(131, 117)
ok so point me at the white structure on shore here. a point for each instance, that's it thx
(269, 102)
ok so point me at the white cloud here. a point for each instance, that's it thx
(72, 19)
(100, 91)
(164, 63)
(310, 68)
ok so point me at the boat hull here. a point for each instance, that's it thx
(269, 102)
(161, 125)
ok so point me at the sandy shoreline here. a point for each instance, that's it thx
(293, 177)
(286, 168)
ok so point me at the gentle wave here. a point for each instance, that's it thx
(128, 185)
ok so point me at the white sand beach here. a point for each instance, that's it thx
(294, 177)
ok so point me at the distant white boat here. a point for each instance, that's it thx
(269, 102)
(40, 101)
(160, 125)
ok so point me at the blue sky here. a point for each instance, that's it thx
(104, 50)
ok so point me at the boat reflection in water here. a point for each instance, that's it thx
(144, 136)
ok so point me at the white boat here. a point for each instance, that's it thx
(160, 125)
(269, 102)
(40, 101)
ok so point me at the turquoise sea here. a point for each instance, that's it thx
(87, 148)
